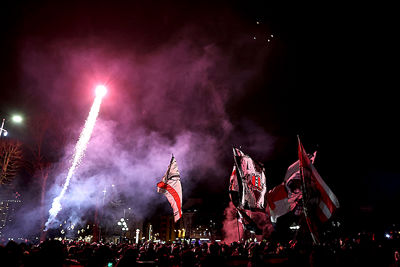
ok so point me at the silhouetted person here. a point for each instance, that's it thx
(129, 258)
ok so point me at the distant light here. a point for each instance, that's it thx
(17, 118)
(101, 90)
(5, 132)
(272, 35)
(258, 22)
(387, 235)
(254, 38)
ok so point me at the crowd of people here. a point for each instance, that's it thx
(339, 252)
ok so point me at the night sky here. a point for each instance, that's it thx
(201, 76)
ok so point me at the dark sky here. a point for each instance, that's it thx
(324, 75)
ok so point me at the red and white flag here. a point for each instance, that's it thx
(293, 172)
(316, 190)
(281, 202)
(171, 187)
(285, 197)
(251, 181)
(278, 202)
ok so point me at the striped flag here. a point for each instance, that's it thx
(316, 190)
(171, 187)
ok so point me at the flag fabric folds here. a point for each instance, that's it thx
(170, 186)
(248, 223)
(251, 182)
(286, 196)
(234, 188)
(318, 196)
(278, 202)
(292, 177)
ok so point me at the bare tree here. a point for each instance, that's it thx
(45, 148)
(11, 160)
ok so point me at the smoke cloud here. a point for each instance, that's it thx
(163, 99)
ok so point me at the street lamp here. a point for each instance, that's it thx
(124, 226)
(15, 118)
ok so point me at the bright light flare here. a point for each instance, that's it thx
(101, 90)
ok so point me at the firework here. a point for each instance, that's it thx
(79, 151)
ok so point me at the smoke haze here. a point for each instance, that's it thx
(164, 98)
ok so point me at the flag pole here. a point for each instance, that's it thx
(169, 166)
(240, 180)
(237, 166)
(237, 223)
(303, 190)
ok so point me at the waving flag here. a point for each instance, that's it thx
(286, 196)
(316, 190)
(171, 187)
(278, 202)
(293, 172)
(252, 184)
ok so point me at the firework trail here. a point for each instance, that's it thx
(79, 151)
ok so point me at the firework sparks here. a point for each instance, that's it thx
(79, 151)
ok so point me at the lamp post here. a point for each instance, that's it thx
(124, 226)
(137, 236)
(2, 129)
(15, 118)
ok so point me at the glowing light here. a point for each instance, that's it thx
(17, 118)
(101, 90)
(79, 152)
